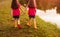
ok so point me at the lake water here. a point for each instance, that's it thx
(49, 16)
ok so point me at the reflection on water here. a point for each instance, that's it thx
(49, 16)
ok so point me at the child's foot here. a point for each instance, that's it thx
(19, 26)
(35, 27)
(28, 24)
(15, 26)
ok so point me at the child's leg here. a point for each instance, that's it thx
(28, 23)
(15, 22)
(18, 23)
(34, 21)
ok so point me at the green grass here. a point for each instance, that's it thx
(45, 29)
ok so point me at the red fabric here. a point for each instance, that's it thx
(16, 11)
(32, 11)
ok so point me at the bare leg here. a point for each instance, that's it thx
(18, 23)
(15, 22)
(34, 20)
(28, 23)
